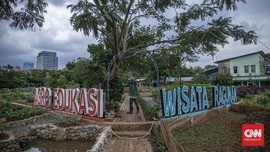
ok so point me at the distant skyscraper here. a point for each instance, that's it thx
(47, 61)
(28, 66)
(17, 67)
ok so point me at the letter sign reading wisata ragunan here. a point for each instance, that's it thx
(82, 102)
(184, 100)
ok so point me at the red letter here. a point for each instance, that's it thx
(68, 100)
(74, 100)
(48, 95)
(61, 98)
(42, 96)
(83, 102)
(55, 99)
(92, 108)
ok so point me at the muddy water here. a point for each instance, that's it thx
(41, 145)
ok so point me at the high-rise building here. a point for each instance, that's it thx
(47, 61)
(28, 66)
(17, 67)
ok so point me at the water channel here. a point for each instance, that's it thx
(42, 145)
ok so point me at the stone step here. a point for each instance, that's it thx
(131, 127)
(125, 133)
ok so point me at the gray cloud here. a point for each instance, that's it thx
(18, 46)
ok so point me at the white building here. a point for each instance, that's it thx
(47, 61)
(248, 69)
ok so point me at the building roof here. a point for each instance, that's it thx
(211, 71)
(261, 52)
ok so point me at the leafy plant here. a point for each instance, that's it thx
(161, 144)
(153, 110)
(114, 105)
(15, 113)
(223, 78)
(116, 90)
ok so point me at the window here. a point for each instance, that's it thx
(246, 68)
(235, 69)
(253, 68)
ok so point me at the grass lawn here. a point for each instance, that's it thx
(222, 133)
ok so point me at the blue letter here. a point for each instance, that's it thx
(185, 107)
(215, 96)
(205, 99)
(229, 90)
(199, 92)
(169, 103)
(224, 92)
(179, 101)
(234, 96)
(193, 100)
(221, 102)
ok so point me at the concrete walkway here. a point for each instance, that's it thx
(126, 142)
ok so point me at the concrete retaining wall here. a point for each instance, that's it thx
(50, 131)
(9, 145)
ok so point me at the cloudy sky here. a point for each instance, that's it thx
(18, 46)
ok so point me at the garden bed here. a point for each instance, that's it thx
(14, 113)
(222, 133)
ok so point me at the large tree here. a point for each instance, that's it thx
(29, 15)
(158, 25)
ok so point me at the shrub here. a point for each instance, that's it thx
(155, 92)
(151, 110)
(264, 100)
(16, 113)
(160, 143)
(223, 78)
(242, 91)
(116, 90)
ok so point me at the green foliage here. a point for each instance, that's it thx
(261, 100)
(223, 78)
(116, 89)
(114, 105)
(62, 81)
(16, 113)
(155, 92)
(117, 27)
(151, 110)
(86, 73)
(10, 96)
(29, 16)
(199, 79)
(200, 137)
(160, 143)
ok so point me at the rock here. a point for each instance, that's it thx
(43, 132)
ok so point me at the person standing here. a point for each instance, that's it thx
(133, 95)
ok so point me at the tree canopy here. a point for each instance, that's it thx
(158, 25)
(28, 16)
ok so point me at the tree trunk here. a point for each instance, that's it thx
(112, 76)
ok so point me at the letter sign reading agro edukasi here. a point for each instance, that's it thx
(180, 101)
(71, 100)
